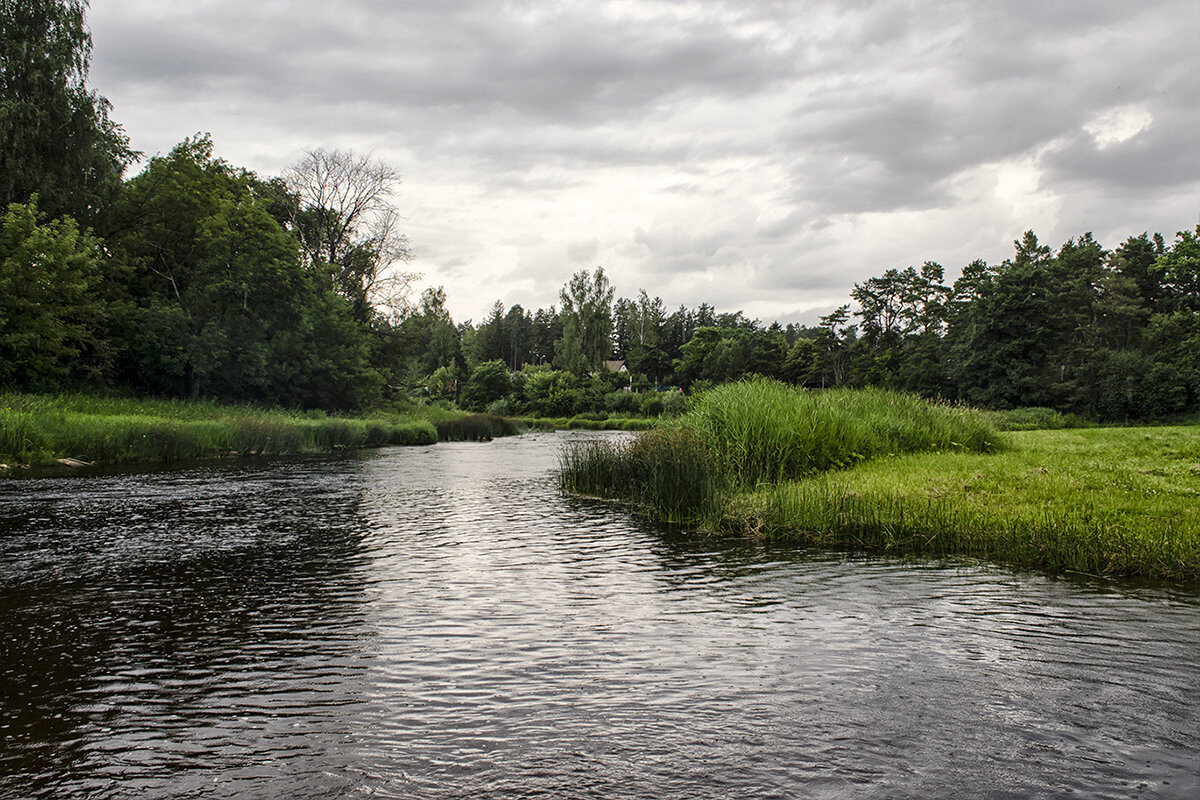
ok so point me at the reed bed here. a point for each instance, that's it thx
(475, 428)
(760, 432)
(668, 472)
(39, 429)
(581, 423)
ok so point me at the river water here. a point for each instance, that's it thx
(440, 623)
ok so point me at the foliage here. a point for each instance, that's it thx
(488, 383)
(58, 141)
(49, 273)
(586, 322)
(222, 304)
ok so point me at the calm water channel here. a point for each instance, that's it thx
(439, 622)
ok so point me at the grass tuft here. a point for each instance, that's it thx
(760, 432)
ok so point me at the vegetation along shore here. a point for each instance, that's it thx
(85, 430)
(892, 473)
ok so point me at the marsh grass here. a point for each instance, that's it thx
(475, 427)
(880, 471)
(1113, 501)
(763, 431)
(739, 436)
(667, 472)
(40, 428)
(1033, 419)
(583, 423)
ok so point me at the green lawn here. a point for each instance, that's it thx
(1113, 501)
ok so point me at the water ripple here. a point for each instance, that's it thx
(440, 623)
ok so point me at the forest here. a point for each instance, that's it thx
(198, 279)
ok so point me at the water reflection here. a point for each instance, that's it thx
(439, 622)
(156, 621)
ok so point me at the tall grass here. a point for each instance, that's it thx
(40, 428)
(760, 432)
(474, 427)
(763, 431)
(667, 471)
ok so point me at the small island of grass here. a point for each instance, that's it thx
(893, 473)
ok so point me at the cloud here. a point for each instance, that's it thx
(763, 155)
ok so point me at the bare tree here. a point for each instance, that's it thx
(346, 222)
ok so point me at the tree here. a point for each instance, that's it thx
(1134, 261)
(58, 141)
(224, 306)
(489, 382)
(518, 337)
(48, 277)
(587, 322)
(547, 330)
(346, 224)
(833, 344)
(432, 338)
(1178, 269)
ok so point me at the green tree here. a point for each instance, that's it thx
(489, 382)
(224, 306)
(1178, 270)
(58, 141)
(587, 322)
(48, 311)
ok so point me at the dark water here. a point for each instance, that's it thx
(439, 622)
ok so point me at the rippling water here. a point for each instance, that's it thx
(439, 622)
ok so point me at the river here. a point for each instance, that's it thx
(441, 623)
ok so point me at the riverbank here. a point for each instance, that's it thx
(83, 430)
(1100, 501)
(40, 429)
(1105, 501)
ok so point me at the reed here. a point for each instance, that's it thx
(41, 428)
(760, 432)
(475, 427)
(667, 472)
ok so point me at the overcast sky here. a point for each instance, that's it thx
(761, 155)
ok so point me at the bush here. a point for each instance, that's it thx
(488, 383)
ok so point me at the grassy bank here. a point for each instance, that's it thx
(1110, 501)
(1100, 501)
(589, 423)
(743, 435)
(37, 429)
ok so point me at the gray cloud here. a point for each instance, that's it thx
(775, 151)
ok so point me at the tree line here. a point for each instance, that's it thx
(196, 278)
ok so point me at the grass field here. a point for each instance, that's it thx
(1102, 501)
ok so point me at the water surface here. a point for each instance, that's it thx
(439, 623)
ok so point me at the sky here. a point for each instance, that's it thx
(757, 155)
